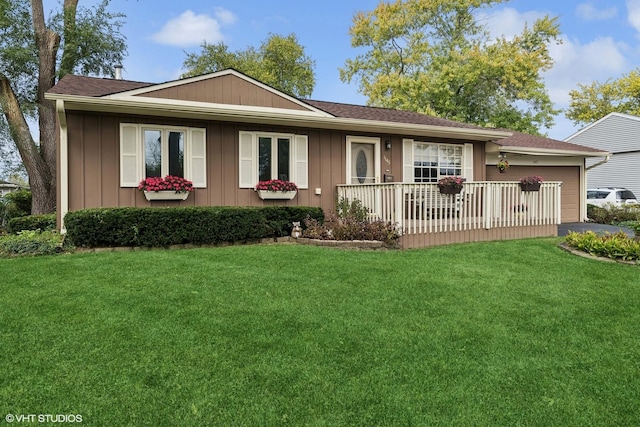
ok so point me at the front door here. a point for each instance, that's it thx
(363, 166)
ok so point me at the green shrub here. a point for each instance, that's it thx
(32, 222)
(351, 210)
(611, 214)
(615, 246)
(19, 203)
(351, 222)
(154, 227)
(31, 242)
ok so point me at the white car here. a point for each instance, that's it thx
(613, 195)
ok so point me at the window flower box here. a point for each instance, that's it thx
(276, 189)
(165, 195)
(167, 188)
(276, 195)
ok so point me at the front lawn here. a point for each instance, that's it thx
(514, 333)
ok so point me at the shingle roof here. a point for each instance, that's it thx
(352, 111)
(97, 87)
(519, 139)
(94, 86)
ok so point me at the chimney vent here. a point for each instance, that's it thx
(118, 69)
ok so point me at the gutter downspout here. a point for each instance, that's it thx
(64, 163)
(606, 159)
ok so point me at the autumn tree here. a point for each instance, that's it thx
(280, 62)
(35, 52)
(437, 57)
(593, 101)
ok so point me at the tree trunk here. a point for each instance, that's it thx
(47, 42)
(43, 185)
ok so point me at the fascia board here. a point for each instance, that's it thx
(531, 151)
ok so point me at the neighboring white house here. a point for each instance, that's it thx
(618, 134)
(8, 187)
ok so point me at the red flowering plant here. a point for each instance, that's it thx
(528, 180)
(454, 182)
(276, 185)
(168, 183)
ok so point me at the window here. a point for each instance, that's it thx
(265, 156)
(274, 158)
(149, 151)
(427, 162)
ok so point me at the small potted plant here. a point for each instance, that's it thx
(502, 165)
(276, 189)
(167, 188)
(531, 183)
(450, 185)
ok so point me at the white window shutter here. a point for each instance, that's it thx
(301, 161)
(248, 166)
(198, 157)
(407, 161)
(467, 162)
(130, 155)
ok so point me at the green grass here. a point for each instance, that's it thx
(514, 333)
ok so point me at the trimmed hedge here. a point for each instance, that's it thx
(43, 222)
(160, 227)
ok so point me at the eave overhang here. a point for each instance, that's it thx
(260, 115)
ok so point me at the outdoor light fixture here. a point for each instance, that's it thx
(387, 144)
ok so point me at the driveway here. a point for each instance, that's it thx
(580, 227)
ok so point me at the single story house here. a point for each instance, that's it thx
(619, 134)
(226, 131)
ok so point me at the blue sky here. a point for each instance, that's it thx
(601, 39)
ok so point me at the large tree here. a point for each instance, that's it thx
(593, 101)
(279, 62)
(437, 57)
(36, 51)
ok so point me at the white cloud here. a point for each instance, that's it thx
(508, 22)
(226, 17)
(575, 63)
(190, 29)
(589, 12)
(633, 8)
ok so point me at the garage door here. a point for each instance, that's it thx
(569, 175)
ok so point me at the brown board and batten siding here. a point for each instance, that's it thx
(568, 175)
(227, 89)
(94, 162)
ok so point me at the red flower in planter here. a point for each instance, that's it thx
(276, 185)
(168, 183)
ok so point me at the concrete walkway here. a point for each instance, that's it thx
(581, 227)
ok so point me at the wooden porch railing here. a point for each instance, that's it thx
(420, 208)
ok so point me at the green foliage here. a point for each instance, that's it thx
(18, 203)
(280, 62)
(351, 210)
(351, 221)
(615, 246)
(31, 242)
(436, 57)
(44, 222)
(106, 227)
(591, 102)
(612, 214)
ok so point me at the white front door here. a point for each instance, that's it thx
(363, 166)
